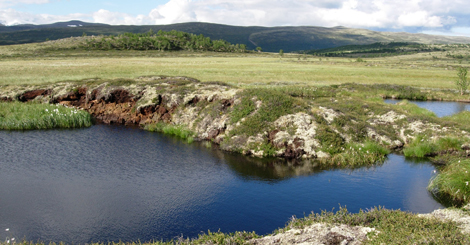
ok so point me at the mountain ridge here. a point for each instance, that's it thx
(271, 39)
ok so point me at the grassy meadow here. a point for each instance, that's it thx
(41, 64)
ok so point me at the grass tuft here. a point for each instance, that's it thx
(452, 185)
(392, 226)
(422, 146)
(27, 116)
(358, 155)
(178, 131)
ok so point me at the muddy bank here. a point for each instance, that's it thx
(327, 123)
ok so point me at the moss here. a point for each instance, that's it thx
(273, 105)
(330, 141)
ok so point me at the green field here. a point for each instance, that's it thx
(39, 64)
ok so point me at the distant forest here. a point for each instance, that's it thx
(163, 41)
(375, 50)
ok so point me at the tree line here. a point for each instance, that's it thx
(162, 41)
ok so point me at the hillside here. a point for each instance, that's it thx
(271, 39)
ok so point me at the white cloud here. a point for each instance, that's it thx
(9, 3)
(379, 14)
(13, 17)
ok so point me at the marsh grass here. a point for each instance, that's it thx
(35, 64)
(462, 119)
(355, 155)
(26, 116)
(392, 226)
(422, 146)
(452, 184)
(178, 131)
(239, 237)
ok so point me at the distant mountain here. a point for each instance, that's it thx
(271, 39)
(25, 27)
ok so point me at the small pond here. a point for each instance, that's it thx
(440, 108)
(111, 183)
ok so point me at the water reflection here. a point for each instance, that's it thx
(113, 183)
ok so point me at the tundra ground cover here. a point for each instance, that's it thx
(304, 82)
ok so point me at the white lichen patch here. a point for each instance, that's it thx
(318, 234)
(62, 89)
(304, 128)
(147, 99)
(253, 143)
(186, 116)
(388, 118)
(419, 127)
(328, 114)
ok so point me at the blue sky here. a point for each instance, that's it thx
(448, 17)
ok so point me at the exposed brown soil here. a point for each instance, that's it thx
(115, 107)
(31, 95)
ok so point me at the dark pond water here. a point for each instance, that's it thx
(108, 183)
(440, 108)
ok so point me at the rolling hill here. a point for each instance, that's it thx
(271, 39)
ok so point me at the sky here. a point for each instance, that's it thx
(441, 17)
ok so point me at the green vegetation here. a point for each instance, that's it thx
(272, 105)
(392, 226)
(462, 82)
(161, 41)
(451, 185)
(58, 61)
(178, 131)
(378, 49)
(352, 92)
(460, 119)
(26, 116)
(422, 146)
(272, 39)
(357, 155)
